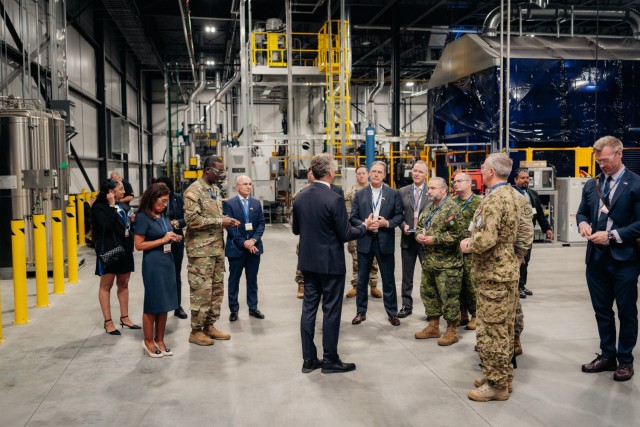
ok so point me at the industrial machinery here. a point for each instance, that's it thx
(542, 178)
(569, 197)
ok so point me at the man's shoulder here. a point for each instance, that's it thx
(405, 189)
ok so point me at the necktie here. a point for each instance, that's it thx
(601, 225)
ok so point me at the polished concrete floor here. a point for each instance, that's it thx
(62, 369)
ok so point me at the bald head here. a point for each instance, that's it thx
(243, 185)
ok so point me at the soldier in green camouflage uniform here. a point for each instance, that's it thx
(440, 231)
(468, 203)
(498, 239)
(205, 252)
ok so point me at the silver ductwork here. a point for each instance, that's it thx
(377, 88)
(539, 11)
(192, 99)
(215, 102)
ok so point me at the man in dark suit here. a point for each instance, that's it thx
(384, 205)
(609, 217)
(244, 246)
(414, 199)
(521, 180)
(320, 219)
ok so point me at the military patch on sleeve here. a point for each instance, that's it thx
(528, 211)
(450, 218)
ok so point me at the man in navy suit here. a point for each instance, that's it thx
(320, 218)
(384, 205)
(244, 246)
(609, 217)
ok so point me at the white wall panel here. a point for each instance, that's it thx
(77, 179)
(90, 129)
(113, 88)
(134, 152)
(159, 129)
(73, 56)
(132, 103)
(88, 67)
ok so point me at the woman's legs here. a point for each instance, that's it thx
(104, 297)
(148, 321)
(161, 325)
(122, 282)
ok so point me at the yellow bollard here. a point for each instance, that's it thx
(18, 249)
(72, 246)
(81, 233)
(40, 254)
(57, 253)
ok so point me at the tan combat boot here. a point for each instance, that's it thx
(431, 331)
(517, 345)
(198, 337)
(481, 380)
(211, 331)
(375, 292)
(450, 336)
(471, 326)
(300, 290)
(352, 292)
(486, 393)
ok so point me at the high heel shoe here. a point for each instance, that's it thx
(134, 326)
(166, 352)
(155, 354)
(114, 332)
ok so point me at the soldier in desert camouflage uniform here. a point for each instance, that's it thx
(440, 231)
(498, 239)
(205, 252)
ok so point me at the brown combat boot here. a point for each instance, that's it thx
(211, 331)
(352, 292)
(198, 337)
(517, 345)
(486, 393)
(481, 380)
(471, 326)
(431, 331)
(300, 290)
(450, 336)
(464, 316)
(375, 292)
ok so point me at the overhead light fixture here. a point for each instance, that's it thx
(209, 29)
(365, 43)
(409, 84)
(210, 62)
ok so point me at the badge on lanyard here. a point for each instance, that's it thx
(248, 226)
(126, 232)
(166, 248)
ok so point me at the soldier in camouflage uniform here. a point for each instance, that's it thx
(468, 203)
(499, 238)
(205, 252)
(440, 231)
(362, 176)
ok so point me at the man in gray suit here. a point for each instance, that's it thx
(414, 199)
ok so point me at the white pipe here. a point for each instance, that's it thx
(376, 89)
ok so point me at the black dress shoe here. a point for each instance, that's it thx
(256, 313)
(311, 365)
(522, 293)
(338, 367)
(527, 291)
(180, 313)
(404, 312)
(233, 316)
(624, 372)
(394, 321)
(600, 364)
(360, 317)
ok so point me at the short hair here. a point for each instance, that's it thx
(149, 197)
(379, 162)
(111, 175)
(421, 162)
(166, 181)
(362, 166)
(608, 141)
(501, 163)
(210, 161)
(463, 175)
(521, 170)
(321, 165)
(242, 176)
(105, 187)
(440, 181)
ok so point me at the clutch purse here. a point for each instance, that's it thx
(111, 257)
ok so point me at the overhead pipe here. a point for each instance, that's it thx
(201, 86)
(214, 103)
(376, 89)
(536, 12)
(188, 35)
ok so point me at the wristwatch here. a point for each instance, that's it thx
(612, 237)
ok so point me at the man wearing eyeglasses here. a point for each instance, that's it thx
(203, 214)
(609, 217)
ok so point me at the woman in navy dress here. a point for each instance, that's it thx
(111, 225)
(154, 236)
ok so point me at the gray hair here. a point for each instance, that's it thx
(242, 177)
(464, 176)
(421, 162)
(379, 162)
(440, 181)
(501, 163)
(321, 165)
(608, 141)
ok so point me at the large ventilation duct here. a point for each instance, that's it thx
(192, 99)
(215, 102)
(377, 88)
(539, 11)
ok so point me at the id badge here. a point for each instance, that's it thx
(470, 228)
(166, 248)
(604, 210)
(126, 232)
(479, 221)
(534, 210)
(248, 226)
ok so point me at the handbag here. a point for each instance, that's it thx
(112, 256)
(604, 202)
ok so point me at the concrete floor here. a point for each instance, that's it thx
(62, 369)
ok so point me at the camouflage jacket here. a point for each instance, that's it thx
(349, 195)
(203, 215)
(524, 239)
(498, 232)
(467, 211)
(447, 228)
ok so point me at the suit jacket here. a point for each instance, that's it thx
(624, 211)
(236, 236)
(407, 203)
(337, 190)
(390, 209)
(109, 227)
(539, 215)
(175, 211)
(320, 219)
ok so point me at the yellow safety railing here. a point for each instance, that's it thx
(270, 49)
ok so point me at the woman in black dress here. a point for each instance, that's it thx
(111, 225)
(154, 235)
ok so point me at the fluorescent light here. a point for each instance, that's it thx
(209, 29)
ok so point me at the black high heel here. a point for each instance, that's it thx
(134, 326)
(114, 332)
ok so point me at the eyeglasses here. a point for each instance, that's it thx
(455, 181)
(216, 171)
(606, 160)
(164, 202)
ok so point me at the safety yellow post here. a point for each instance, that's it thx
(19, 254)
(40, 254)
(81, 235)
(72, 246)
(57, 255)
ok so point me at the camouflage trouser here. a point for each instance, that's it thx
(496, 314)
(206, 276)
(519, 325)
(373, 274)
(299, 277)
(440, 292)
(468, 290)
